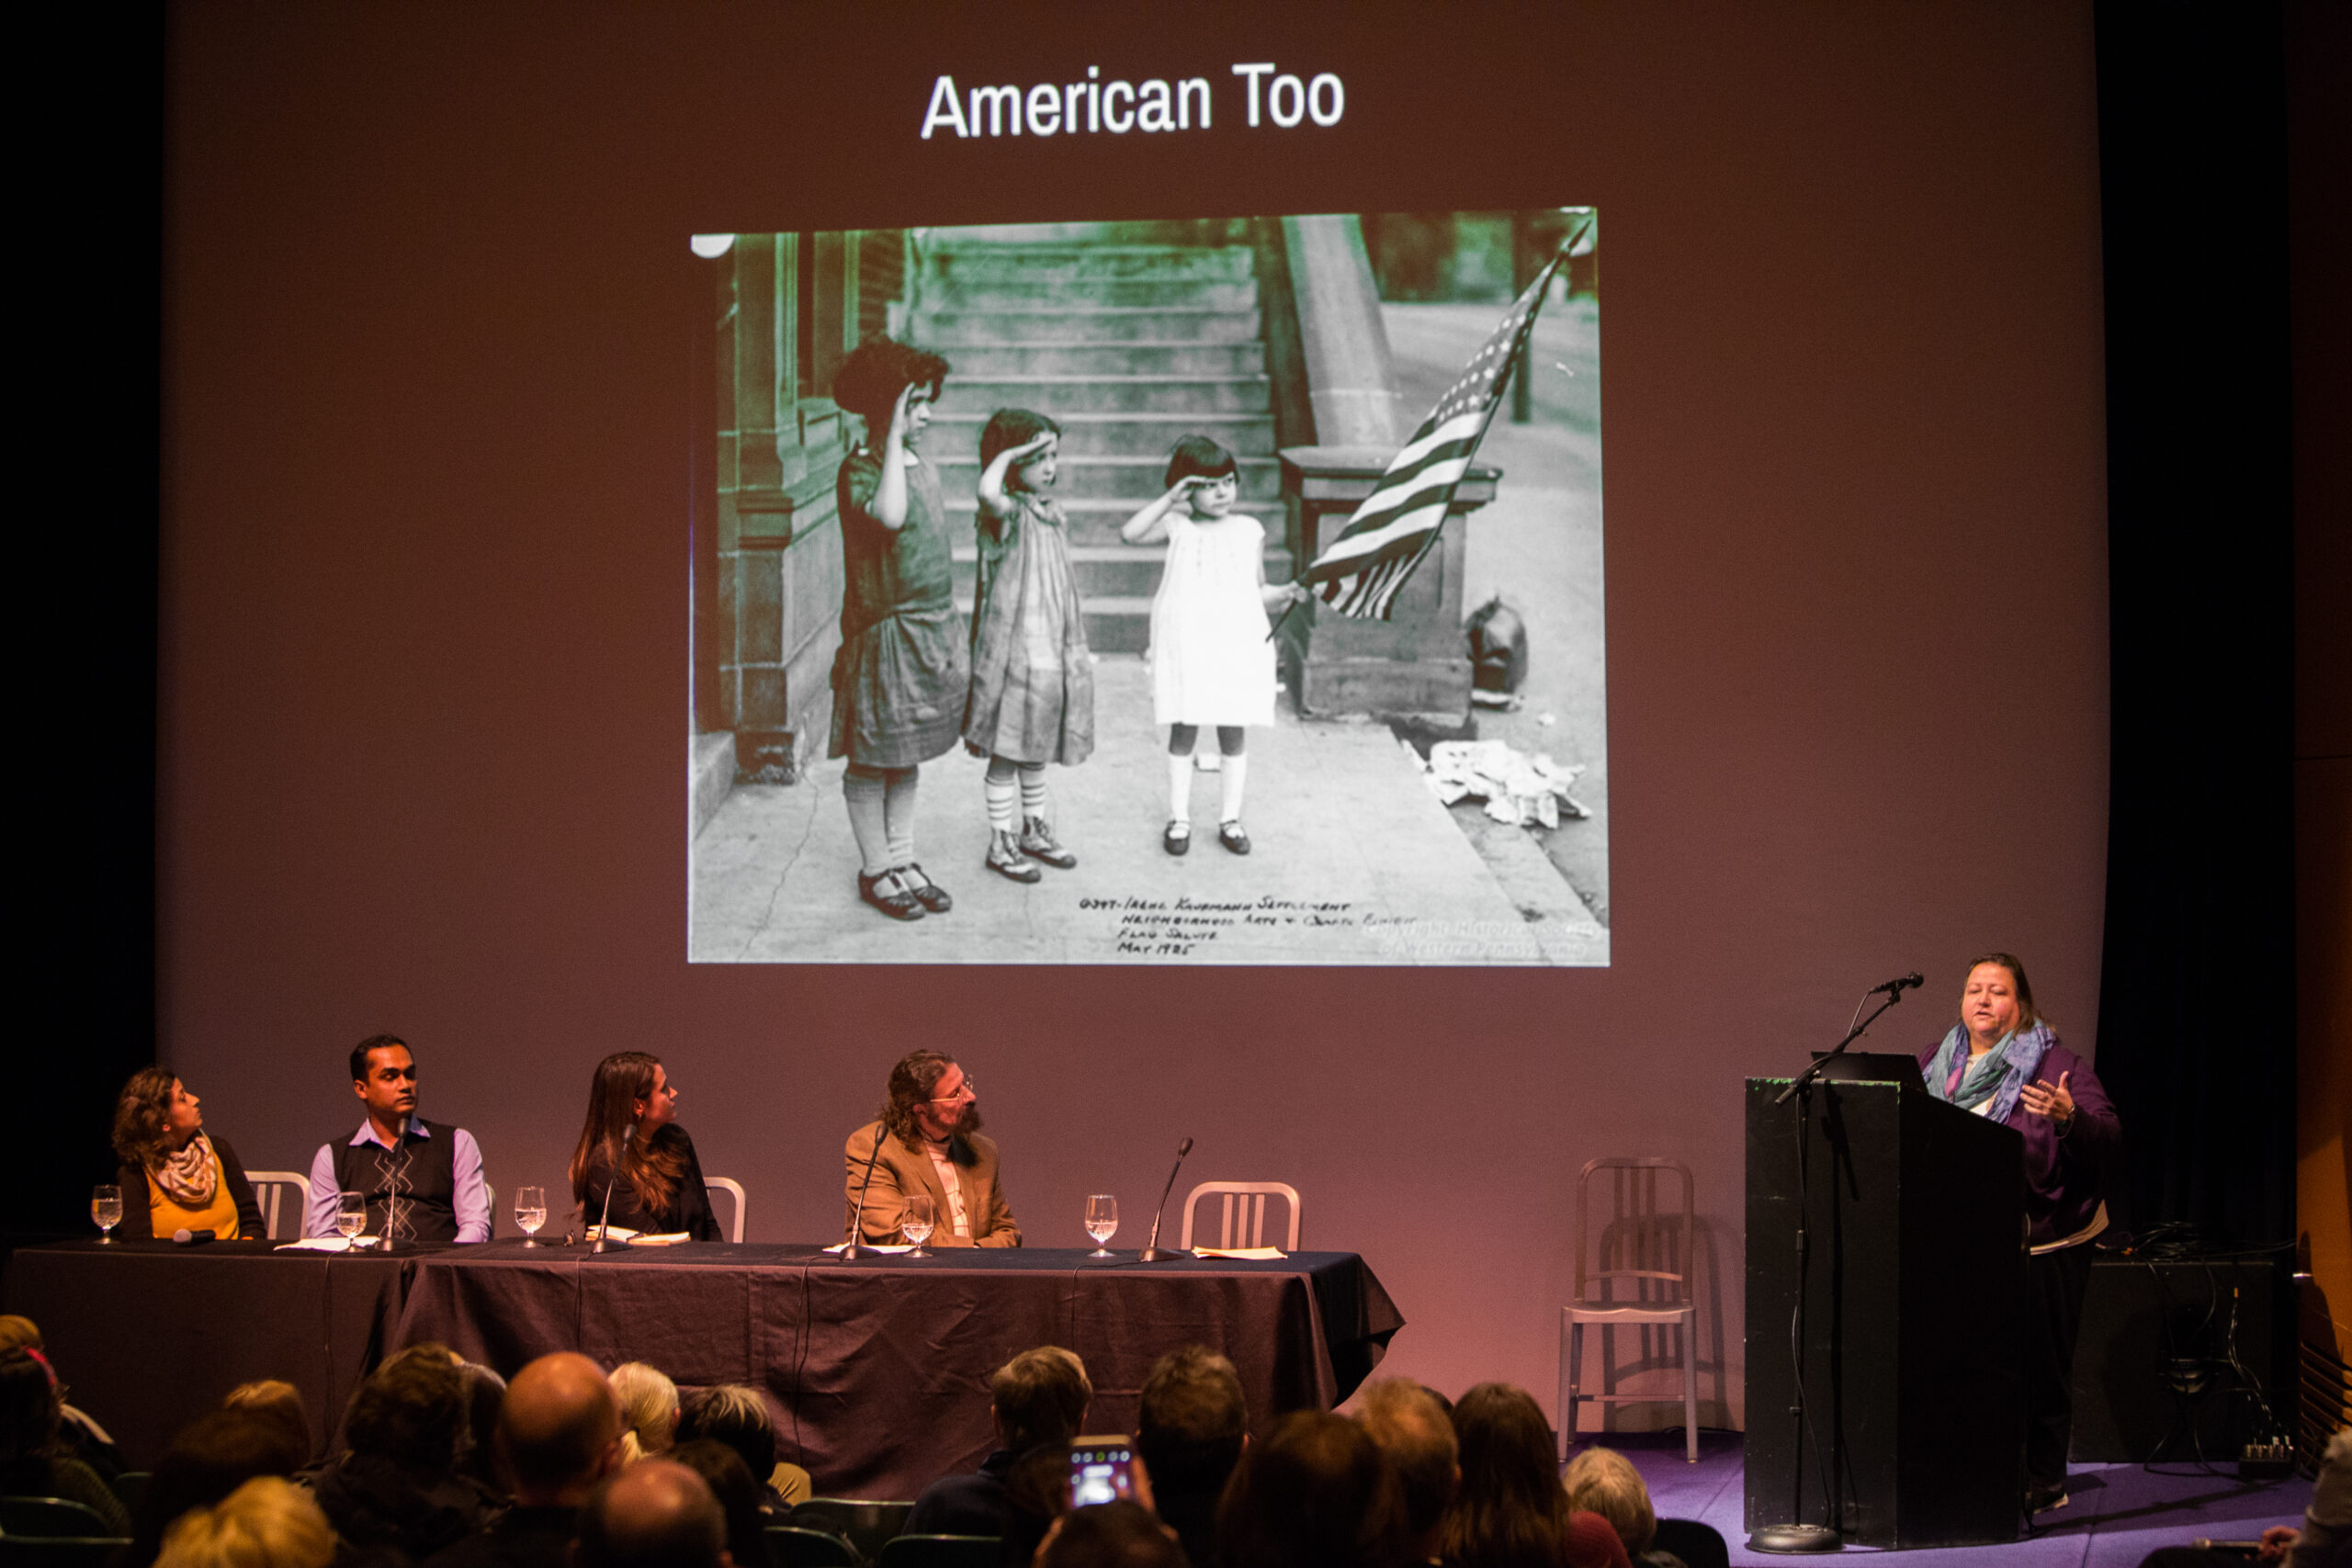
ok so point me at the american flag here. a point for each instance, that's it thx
(1360, 573)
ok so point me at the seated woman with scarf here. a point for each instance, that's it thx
(175, 1176)
(632, 1109)
(2004, 1063)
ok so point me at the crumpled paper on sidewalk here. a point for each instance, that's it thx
(1519, 789)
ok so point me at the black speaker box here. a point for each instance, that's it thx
(2153, 1373)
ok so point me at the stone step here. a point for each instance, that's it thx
(1112, 571)
(1128, 480)
(1116, 434)
(1199, 232)
(946, 330)
(983, 360)
(958, 263)
(1081, 294)
(1064, 395)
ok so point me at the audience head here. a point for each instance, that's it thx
(268, 1522)
(649, 1407)
(1124, 1534)
(412, 1411)
(271, 1402)
(737, 1417)
(740, 1495)
(1191, 1421)
(1317, 1491)
(1604, 1482)
(255, 1432)
(29, 1403)
(1040, 1396)
(1412, 1429)
(654, 1515)
(1509, 1508)
(558, 1430)
(16, 1331)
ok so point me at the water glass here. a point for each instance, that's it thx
(1101, 1222)
(105, 1210)
(531, 1212)
(350, 1214)
(916, 1223)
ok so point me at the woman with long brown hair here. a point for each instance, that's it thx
(632, 1110)
(174, 1176)
(1511, 1510)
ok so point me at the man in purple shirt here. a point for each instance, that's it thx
(422, 1180)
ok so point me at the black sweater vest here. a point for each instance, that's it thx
(411, 1190)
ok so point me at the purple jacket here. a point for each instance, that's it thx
(2064, 1178)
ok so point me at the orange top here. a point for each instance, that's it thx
(220, 1216)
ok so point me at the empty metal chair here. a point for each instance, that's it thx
(866, 1525)
(1635, 1273)
(734, 1190)
(793, 1547)
(940, 1552)
(1246, 1200)
(50, 1516)
(271, 1190)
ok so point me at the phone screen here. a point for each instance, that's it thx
(1102, 1469)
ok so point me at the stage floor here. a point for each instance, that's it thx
(2116, 1515)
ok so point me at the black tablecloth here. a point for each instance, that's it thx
(878, 1369)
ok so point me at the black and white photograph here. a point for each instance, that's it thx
(1221, 592)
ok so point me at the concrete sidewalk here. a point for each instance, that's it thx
(1354, 863)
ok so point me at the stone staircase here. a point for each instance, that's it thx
(1128, 336)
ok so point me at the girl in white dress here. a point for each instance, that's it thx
(1211, 661)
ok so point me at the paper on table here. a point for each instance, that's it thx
(875, 1247)
(615, 1233)
(1249, 1254)
(325, 1244)
(667, 1238)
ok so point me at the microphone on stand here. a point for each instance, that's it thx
(857, 1220)
(1896, 986)
(1152, 1252)
(605, 1242)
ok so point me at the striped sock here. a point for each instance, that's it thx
(1032, 793)
(1003, 797)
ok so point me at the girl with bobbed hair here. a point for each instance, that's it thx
(1316, 1494)
(632, 1107)
(268, 1522)
(899, 679)
(174, 1175)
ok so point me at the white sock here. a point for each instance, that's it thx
(1237, 769)
(863, 795)
(1002, 794)
(1179, 788)
(898, 814)
(1032, 793)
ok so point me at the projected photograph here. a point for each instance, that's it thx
(1198, 592)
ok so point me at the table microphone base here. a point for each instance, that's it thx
(1159, 1255)
(1795, 1538)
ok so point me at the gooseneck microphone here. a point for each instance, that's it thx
(857, 1220)
(1152, 1252)
(605, 1242)
(1899, 985)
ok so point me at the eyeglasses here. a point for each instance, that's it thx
(971, 1090)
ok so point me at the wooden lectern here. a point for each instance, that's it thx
(1912, 1275)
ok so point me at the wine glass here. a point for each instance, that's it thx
(530, 1212)
(1101, 1222)
(105, 1210)
(916, 1223)
(351, 1215)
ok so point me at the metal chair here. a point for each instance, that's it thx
(940, 1552)
(793, 1547)
(866, 1526)
(271, 1189)
(60, 1551)
(1647, 1251)
(1249, 1198)
(735, 1189)
(50, 1516)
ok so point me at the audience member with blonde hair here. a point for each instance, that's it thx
(1406, 1422)
(738, 1416)
(274, 1400)
(1604, 1482)
(268, 1522)
(648, 1407)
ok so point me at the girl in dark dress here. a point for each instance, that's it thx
(900, 677)
(632, 1107)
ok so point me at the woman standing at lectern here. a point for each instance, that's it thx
(2004, 1063)
(633, 1107)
